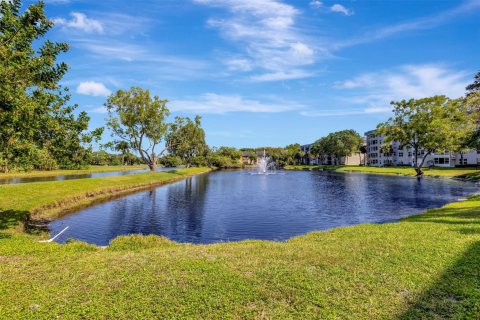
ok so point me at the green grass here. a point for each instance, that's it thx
(90, 169)
(424, 267)
(468, 173)
(47, 199)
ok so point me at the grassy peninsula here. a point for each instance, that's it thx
(87, 170)
(45, 200)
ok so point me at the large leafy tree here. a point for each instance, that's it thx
(35, 123)
(428, 125)
(293, 153)
(186, 139)
(338, 144)
(140, 120)
(472, 101)
(225, 157)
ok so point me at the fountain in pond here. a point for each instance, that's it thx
(265, 164)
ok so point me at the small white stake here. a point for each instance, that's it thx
(50, 240)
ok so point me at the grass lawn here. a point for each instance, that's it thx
(467, 173)
(47, 199)
(424, 267)
(90, 169)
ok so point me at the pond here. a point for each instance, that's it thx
(75, 176)
(237, 205)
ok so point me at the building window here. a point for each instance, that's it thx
(441, 160)
(400, 154)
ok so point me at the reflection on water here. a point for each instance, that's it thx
(235, 205)
(76, 176)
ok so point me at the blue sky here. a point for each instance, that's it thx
(268, 72)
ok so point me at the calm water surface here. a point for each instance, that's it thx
(75, 176)
(238, 205)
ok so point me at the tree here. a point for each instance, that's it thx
(140, 120)
(475, 86)
(35, 123)
(293, 154)
(340, 144)
(225, 157)
(363, 151)
(427, 125)
(124, 148)
(186, 140)
(320, 149)
(472, 102)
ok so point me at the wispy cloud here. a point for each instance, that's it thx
(266, 33)
(315, 4)
(346, 112)
(80, 21)
(423, 23)
(341, 9)
(282, 75)
(371, 93)
(99, 110)
(220, 104)
(410, 81)
(93, 88)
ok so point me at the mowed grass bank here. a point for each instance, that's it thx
(45, 200)
(424, 267)
(90, 169)
(463, 173)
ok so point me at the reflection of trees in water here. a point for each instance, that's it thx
(175, 211)
(134, 214)
(185, 205)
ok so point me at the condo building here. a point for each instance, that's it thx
(399, 155)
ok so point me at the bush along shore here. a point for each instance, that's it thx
(469, 173)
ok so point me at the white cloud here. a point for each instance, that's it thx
(239, 64)
(220, 104)
(80, 22)
(341, 9)
(423, 23)
(363, 81)
(371, 93)
(93, 88)
(100, 110)
(346, 112)
(406, 82)
(266, 34)
(315, 4)
(282, 75)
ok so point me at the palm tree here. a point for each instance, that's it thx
(124, 148)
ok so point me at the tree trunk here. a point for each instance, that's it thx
(418, 168)
(151, 166)
(419, 171)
